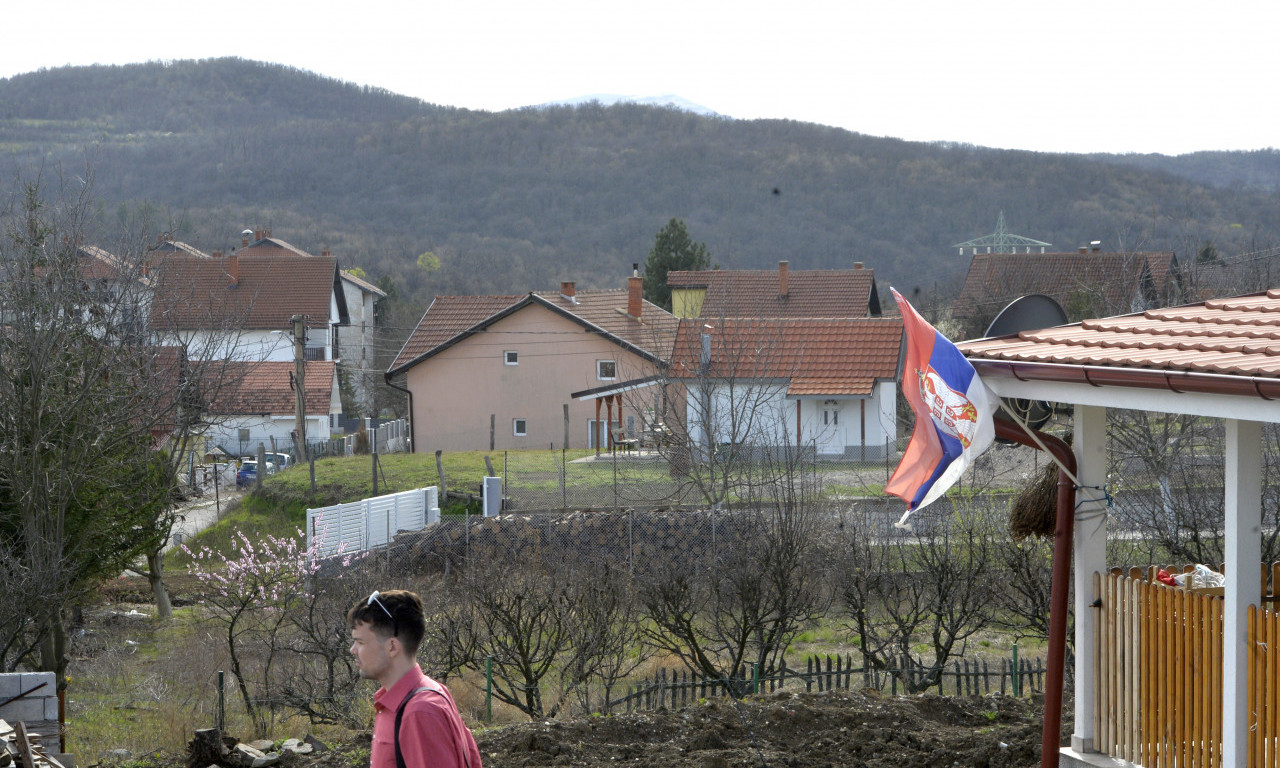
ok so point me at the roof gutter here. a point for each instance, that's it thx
(1132, 378)
(413, 440)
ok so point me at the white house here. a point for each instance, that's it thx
(824, 384)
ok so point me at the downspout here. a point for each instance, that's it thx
(413, 439)
(1063, 531)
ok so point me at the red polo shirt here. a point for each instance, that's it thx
(432, 734)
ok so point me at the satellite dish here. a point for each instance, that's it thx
(1028, 313)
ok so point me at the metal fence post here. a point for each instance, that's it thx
(222, 702)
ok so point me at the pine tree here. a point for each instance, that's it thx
(672, 249)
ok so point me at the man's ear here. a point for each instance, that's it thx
(394, 646)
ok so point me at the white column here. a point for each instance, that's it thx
(1243, 562)
(1090, 556)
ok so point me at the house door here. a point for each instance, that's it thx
(831, 429)
(598, 434)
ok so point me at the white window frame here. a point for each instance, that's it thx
(520, 427)
(511, 357)
(600, 373)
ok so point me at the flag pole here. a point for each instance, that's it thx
(1064, 528)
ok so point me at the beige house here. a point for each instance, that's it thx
(496, 372)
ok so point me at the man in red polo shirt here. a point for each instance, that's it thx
(386, 630)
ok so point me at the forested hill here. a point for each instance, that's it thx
(522, 199)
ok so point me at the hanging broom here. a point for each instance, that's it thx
(1035, 508)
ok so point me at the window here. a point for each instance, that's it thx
(511, 357)
(606, 370)
(519, 428)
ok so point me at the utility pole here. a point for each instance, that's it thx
(299, 387)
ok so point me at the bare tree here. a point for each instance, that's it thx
(764, 585)
(84, 394)
(914, 600)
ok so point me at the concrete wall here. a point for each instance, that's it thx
(37, 710)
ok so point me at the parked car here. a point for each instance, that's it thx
(249, 472)
(280, 460)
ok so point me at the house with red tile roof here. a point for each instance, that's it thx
(823, 384)
(240, 305)
(255, 402)
(497, 372)
(765, 293)
(1086, 283)
(1216, 362)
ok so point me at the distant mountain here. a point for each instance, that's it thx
(666, 100)
(1255, 169)
(522, 199)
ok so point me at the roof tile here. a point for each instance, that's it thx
(755, 293)
(1237, 336)
(843, 356)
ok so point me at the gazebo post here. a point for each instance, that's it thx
(1243, 554)
(1090, 446)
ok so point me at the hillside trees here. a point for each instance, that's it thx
(672, 249)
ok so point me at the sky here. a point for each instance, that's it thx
(1081, 76)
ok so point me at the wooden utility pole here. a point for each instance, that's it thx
(299, 388)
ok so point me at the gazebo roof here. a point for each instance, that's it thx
(1217, 358)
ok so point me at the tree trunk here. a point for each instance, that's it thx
(53, 647)
(155, 575)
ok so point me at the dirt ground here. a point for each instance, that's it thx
(836, 729)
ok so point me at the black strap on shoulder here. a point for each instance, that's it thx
(400, 715)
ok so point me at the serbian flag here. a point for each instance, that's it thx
(954, 414)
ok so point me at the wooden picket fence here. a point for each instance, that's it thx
(1158, 679)
(677, 688)
(1263, 749)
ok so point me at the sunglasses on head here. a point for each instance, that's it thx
(373, 598)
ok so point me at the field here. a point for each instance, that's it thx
(145, 686)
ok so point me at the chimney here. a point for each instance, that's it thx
(1084, 249)
(857, 265)
(705, 358)
(244, 238)
(635, 290)
(233, 269)
(325, 252)
(1095, 245)
(217, 254)
(567, 292)
(782, 278)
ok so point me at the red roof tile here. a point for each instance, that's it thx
(1233, 337)
(816, 356)
(264, 388)
(198, 293)
(1103, 281)
(756, 293)
(449, 318)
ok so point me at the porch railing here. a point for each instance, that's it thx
(1158, 686)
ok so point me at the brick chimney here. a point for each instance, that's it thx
(635, 292)
(233, 268)
(857, 265)
(325, 252)
(567, 291)
(244, 239)
(782, 278)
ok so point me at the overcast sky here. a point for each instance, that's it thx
(1078, 76)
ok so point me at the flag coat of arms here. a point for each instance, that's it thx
(954, 414)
